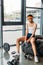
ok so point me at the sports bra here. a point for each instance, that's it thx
(30, 29)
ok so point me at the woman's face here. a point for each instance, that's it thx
(30, 19)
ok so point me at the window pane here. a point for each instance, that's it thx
(33, 3)
(11, 33)
(12, 10)
(38, 32)
(37, 17)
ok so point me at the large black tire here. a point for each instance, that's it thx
(27, 48)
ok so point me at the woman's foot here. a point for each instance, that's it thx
(36, 59)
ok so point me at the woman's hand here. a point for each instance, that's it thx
(28, 41)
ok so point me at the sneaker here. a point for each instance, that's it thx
(36, 59)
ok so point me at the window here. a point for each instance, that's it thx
(12, 10)
(11, 33)
(33, 3)
(37, 17)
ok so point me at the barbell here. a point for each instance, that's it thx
(6, 46)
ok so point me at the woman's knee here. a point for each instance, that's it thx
(18, 40)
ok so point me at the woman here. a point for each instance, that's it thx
(31, 27)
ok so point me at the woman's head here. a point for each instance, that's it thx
(30, 18)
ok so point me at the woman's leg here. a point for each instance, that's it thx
(17, 42)
(32, 41)
(34, 49)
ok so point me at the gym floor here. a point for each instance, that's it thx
(5, 57)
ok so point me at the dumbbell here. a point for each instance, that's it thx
(14, 61)
(6, 47)
(16, 57)
(9, 63)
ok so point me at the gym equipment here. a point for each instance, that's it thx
(27, 48)
(6, 47)
(13, 52)
(14, 61)
(16, 57)
(9, 63)
(29, 57)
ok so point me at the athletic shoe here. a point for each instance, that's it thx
(36, 59)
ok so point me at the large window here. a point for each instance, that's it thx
(12, 11)
(37, 17)
(11, 33)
